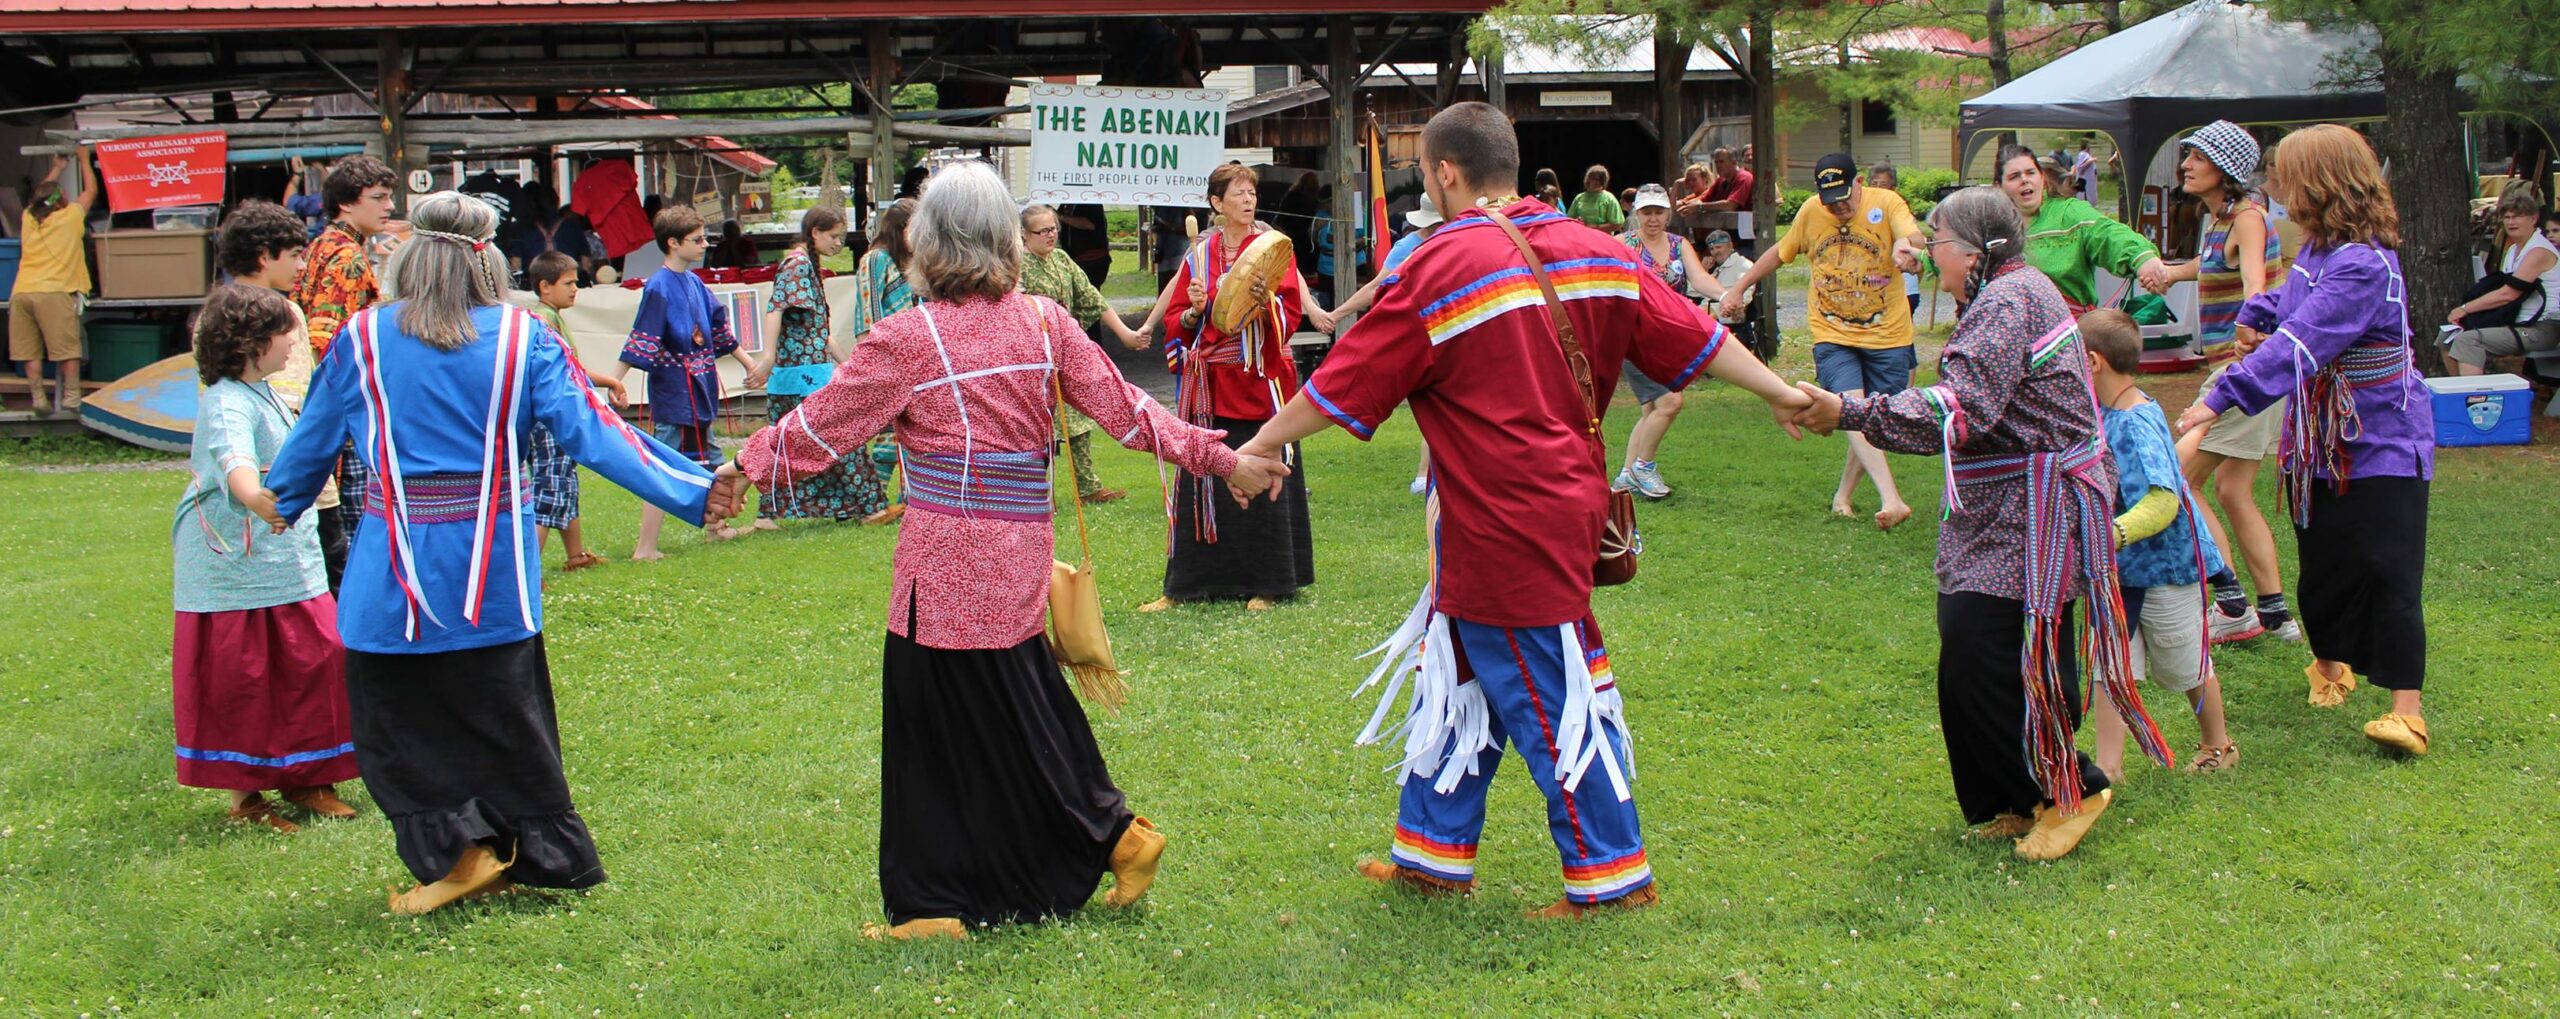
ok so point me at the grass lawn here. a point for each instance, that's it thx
(720, 714)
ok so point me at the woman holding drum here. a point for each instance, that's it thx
(1232, 307)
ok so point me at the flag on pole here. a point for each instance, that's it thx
(1378, 233)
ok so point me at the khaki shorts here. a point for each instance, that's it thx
(2169, 644)
(44, 327)
(2242, 436)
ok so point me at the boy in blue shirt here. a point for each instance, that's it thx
(678, 337)
(2161, 558)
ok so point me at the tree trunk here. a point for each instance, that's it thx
(2112, 12)
(1671, 114)
(2420, 141)
(1995, 36)
(1995, 33)
(1767, 170)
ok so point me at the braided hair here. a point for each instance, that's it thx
(447, 269)
(1984, 222)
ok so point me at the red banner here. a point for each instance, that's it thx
(163, 171)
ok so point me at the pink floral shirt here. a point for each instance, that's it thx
(971, 582)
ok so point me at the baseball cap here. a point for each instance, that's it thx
(1652, 196)
(1832, 177)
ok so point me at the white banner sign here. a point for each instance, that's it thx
(1112, 145)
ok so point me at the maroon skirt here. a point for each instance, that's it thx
(261, 698)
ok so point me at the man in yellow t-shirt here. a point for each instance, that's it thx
(53, 274)
(1858, 240)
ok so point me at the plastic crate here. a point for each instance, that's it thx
(8, 265)
(118, 349)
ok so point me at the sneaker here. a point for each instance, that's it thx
(2231, 629)
(1624, 483)
(1648, 481)
(1421, 485)
(2289, 631)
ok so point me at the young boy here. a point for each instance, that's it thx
(555, 477)
(678, 337)
(261, 244)
(2161, 556)
(338, 281)
(1596, 206)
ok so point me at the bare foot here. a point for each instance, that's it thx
(1158, 605)
(719, 532)
(1892, 516)
(886, 516)
(1843, 509)
(646, 555)
(764, 524)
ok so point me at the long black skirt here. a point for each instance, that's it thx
(995, 806)
(1982, 706)
(2364, 562)
(1263, 551)
(462, 748)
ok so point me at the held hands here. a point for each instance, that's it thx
(1906, 255)
(2197, 418)
(728, 493)
(1788, 408)
(1255, 476)
(1324, 321)
(1730, 309)
(2246, 340)
(1822, 415)
(2153, 276)
(264, 505)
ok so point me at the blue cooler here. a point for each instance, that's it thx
(8, 265)
(2482, 410)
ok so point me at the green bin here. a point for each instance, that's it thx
(118, 349)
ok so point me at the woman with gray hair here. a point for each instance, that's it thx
(441, 610)
(2030, 500)
(995, 804)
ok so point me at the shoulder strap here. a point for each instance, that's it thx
(1574, 358)
(1057, 428)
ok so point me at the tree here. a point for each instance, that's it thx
(2426, 55)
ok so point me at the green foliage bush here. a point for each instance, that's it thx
(1790, 200)
(1919, 188)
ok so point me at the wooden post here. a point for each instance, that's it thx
(1495, 94)
(1764, 189)
(1343, 80)
(880, 39)
(1670, 68)
(391, 100)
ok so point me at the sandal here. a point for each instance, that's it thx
(581, 561)
(2212, 759)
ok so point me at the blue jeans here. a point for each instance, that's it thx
(1841, 368)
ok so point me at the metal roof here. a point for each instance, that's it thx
(119, 16)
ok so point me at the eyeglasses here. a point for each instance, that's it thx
(1050, 232)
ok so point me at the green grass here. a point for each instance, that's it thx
(720, 716)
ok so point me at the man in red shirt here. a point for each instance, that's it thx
(1503, 646)
(1731, 191)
